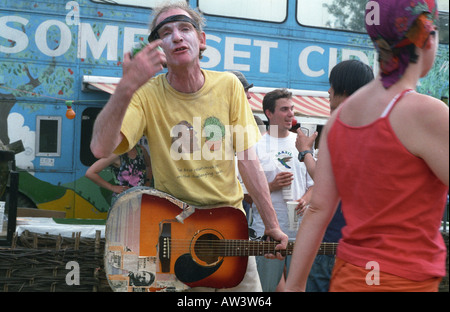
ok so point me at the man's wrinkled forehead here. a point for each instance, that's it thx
(173, 18)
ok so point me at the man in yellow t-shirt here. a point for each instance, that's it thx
(195, 121)
(191, 135)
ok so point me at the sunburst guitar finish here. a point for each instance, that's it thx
(155, 242)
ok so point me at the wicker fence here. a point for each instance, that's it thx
(37, 262)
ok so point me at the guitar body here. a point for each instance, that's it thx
(149, 249)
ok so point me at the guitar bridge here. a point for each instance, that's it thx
(164, 247)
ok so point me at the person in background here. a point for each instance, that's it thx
(278, 157)
(345, 79)
(199, 104)
(385, 154)
(130, 169)
(247, 86)
(261, 125)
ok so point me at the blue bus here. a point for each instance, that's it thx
(60, 53)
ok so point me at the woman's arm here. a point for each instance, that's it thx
(93, 173)
(315, 220)
(148, 165)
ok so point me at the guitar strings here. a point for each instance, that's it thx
(225, 247)
(236, 246)
(188, 242)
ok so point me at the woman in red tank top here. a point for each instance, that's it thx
(385, 154)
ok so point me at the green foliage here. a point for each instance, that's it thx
(349, 15)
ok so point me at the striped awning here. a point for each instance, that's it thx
(106, 87)
(100, 83)
(306, 103)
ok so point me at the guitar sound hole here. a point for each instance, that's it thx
(207, 248)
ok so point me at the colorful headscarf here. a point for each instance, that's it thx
(400, 23)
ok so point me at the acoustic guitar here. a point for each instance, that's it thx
(155, 242)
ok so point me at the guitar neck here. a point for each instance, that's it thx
(232, 248)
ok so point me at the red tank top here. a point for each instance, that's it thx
(392, 202)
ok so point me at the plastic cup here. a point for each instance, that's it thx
(287, 193)
(293, 216)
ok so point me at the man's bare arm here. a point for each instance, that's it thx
(106, 134)
(256, 183)
(136, 72)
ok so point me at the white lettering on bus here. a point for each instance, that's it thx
(236, 52)
(20, 38)
(64, 42)
(108, 39)
(303, 61)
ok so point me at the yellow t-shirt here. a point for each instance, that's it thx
(193, 137)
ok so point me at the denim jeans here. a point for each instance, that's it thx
(270, 271)
(320, 274)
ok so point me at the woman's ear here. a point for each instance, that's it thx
(431, 40)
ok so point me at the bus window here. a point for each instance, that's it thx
(136, 3)
(87, 125)
(48, 132)
(261, 10)
(335, 14)
(443, 20)
(349, 15)
(443, 27)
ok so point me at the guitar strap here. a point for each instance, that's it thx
(187, 211)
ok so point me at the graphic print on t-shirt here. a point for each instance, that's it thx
(284, 158)
(214, 132)
(184, 138)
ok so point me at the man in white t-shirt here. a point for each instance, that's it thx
(279, 159)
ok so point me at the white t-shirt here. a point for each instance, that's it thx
(277, 155)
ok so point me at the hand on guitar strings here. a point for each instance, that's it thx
(276, 235)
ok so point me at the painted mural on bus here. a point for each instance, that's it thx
(51, 50)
